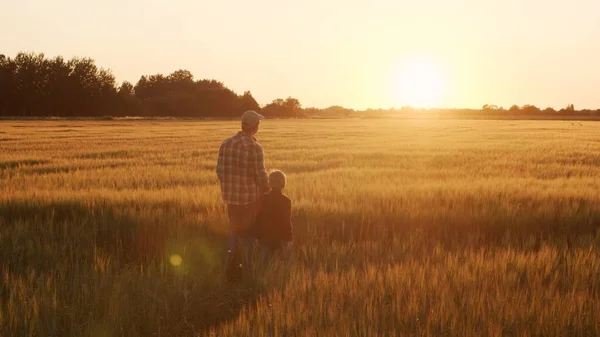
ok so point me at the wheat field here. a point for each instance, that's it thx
(403, 227)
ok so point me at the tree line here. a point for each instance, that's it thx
(529, 109)
(32, 85)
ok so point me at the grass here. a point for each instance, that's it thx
(403, 227)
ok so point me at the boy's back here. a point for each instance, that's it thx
(274, 220)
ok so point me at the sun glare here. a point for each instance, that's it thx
(419, 84)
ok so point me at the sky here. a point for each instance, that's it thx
(358, 54)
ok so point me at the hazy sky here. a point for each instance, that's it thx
(326, 52)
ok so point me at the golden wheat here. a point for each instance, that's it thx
(402, 227)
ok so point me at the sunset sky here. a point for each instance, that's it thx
(359, 54)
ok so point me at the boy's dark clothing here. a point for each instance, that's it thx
(274, 220)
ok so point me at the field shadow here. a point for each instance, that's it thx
(70, 169)
(104, 155)
(20, 163)
(61, 130)
(453, 231)
(69, 126)
(49, 170)
(62, 223)
(68, 238)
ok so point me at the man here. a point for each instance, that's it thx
(244, 180)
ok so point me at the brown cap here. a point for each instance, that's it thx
(252, 118)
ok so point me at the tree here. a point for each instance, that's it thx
(530, 109)
(490, 108)
(93, 88)
(59, 88)
(339, 111)
(184, 76)
(141, 88)
(514, 109)
(289, 107)
(247, 102)
(7, 85)
(569, 109)
(292, 105)
(181, 81)
(126, 89)
(332, 111)
(30, 82)
(126, 102)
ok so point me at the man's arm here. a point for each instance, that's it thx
(220, 164)
(289, 233)
(262, 178)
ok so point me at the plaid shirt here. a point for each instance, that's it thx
(241, 170)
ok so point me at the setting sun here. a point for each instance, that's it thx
(419, 84)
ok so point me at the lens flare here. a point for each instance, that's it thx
(176, 260)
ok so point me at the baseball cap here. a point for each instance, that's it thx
(251, 118)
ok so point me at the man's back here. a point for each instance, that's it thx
(241, 170)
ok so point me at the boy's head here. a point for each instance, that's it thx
(277, 180)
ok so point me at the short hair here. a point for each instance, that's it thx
(277, 180)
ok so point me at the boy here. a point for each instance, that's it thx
(273, 227)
